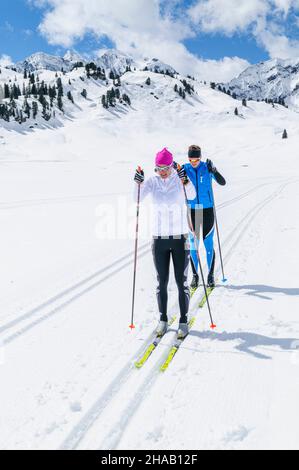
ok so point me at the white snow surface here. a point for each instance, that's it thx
(67, 355)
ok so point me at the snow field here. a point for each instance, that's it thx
(67, 373)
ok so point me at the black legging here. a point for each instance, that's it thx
(179, 250)
(206, 218)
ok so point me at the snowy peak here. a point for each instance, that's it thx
(42, 61)
(155, 65)
(274, 79)
(115, 61)
(108, 59)
(73, 57)
(119, 62)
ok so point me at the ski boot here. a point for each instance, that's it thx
(183, 330)
(211, 280)
(161, 328)
(194, 283)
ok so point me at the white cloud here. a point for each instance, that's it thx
(5, 61)
(221, 70)
(227, 16)
(285, 5)
(264, 19)
(68, 20)
(279, 45)
(231, 16)
(136, 27)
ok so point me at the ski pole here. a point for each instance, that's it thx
(132, 326)
(218, 237)
(198, 256)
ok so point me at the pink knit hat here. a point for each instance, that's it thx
(164, 158)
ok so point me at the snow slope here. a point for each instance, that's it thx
(67, 351)
(48, 70)
(273, 79)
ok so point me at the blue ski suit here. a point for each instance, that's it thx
(202, 181)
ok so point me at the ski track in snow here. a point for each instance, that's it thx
(114, 436)
(56, 200)
(58, 302)
(61, 300)
(118, 429)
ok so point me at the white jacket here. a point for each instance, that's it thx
(169, 215)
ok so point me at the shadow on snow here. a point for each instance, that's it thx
(257, 290)
(247, 341)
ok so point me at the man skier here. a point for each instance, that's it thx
(170, 233)
(201, 175)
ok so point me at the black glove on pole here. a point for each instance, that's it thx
(181, 173)
(139, 175)
(211, 167)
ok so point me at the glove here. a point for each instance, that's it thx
(139, 176)
(211, 167)
(182, 174)
(175, 166)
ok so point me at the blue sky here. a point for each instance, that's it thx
(216, 46)
(19, 35)
(216, 36)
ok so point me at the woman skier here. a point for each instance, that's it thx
(201, 174)
(170, 233)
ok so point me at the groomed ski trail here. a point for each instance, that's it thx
(55, 304)
(20, 324)
(113, 437)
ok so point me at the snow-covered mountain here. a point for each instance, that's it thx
(51, 88)
(74, 57)
(109, 59)
(58, 88)
(42, 61)
(155, 65)
(115, 61)
(273, 80)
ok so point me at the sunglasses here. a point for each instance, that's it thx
(194, 160)
(162, 168)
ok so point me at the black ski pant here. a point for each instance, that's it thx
(206, 219)
(177, 248)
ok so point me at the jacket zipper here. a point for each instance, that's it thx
(197, 188)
